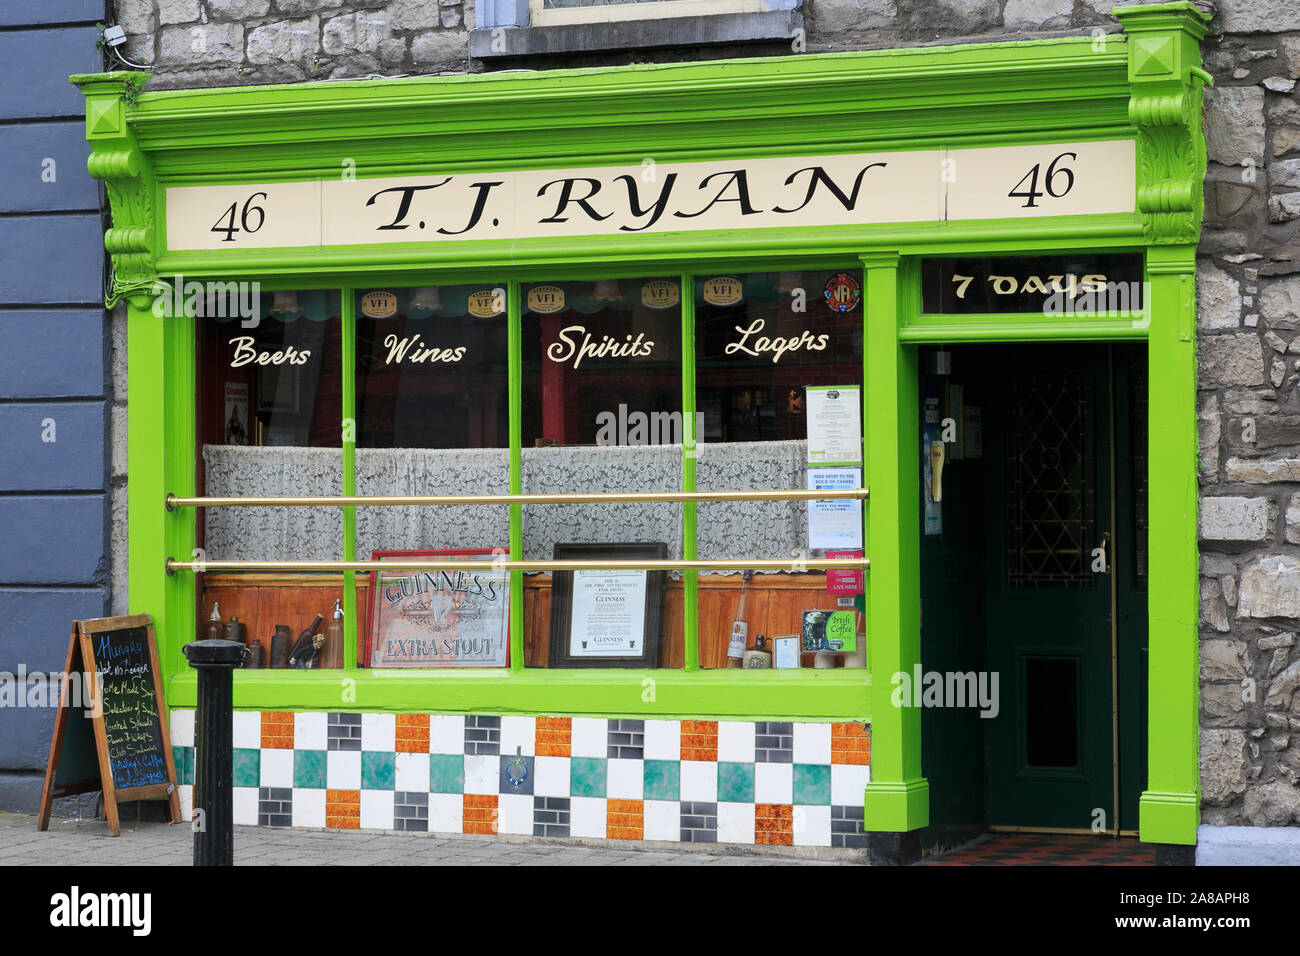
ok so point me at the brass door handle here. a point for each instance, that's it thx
(1102, 549)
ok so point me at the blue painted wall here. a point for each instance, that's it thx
(55, 383)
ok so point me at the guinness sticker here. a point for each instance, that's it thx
(660, 294)
(486, 303)
(378, 305)
(724, 290)
(545, 299)
(843, 293)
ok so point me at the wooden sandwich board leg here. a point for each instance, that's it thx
(101, 742)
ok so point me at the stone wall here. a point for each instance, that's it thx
(1248, 290)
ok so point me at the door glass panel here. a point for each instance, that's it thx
(1051, 712)
(1051, 488)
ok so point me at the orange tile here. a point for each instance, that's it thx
(343, 809)
(277, 730)
(479, 813)
(553, 736)
(413, 733)
(624, 819)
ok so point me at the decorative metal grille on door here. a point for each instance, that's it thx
(1051, 488)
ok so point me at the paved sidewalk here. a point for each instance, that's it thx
(69, 843)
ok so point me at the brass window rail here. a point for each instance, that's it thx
(359, 501)
(488, 564)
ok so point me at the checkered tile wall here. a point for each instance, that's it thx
(690, 781)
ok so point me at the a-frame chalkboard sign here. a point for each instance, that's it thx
(110, 732)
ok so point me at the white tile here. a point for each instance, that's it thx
(590, 737)
(447, 734)
(662, 820)
(185, 796)
(446, 813)
(663, 740)
(482, 773)
(812, 743)
(736, 823)
(245, 804)
(181, 723)
(412, 773)
(551, 776)
(376, 809)
(515, 813)
(247, 726)
(518, 736)
(343, 770)
(736, 741)
(699, 781)
(277, 768)
(379, 733)
(773, 783)
(587, 817)
(812, 825)
(625, 779)
(848, 784)
(310, 731)
(309, 808)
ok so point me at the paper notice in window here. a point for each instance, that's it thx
(608, 613)
(834, 425)
(835, 524)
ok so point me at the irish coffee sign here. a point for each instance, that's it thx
(439, 617)
(843, 189)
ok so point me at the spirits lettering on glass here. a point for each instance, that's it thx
(246, 353)
(576, 344)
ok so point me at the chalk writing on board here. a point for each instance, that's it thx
(130, 706)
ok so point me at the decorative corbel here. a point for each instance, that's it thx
(1164, 70)
(118, 160)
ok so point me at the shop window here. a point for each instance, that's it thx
(778, 386)
(602, 399)
(269, 424)
(432, 387)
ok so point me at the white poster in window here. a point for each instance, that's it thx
(608, 613)
(837, 523)
(834, 425)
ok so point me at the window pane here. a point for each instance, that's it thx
(269, 424)
(602, 413)
(768, 347)
(433, 418)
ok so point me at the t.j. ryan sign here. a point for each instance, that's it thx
(836, 190)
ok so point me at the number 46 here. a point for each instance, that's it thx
(229, 218)
(1050, 181)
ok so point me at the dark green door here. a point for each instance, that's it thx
(1052, 633)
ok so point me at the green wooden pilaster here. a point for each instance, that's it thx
(1167, 79)
(898, 797)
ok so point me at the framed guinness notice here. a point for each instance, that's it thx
(607, 618)
(438, 617)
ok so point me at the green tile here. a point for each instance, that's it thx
(446, 773)
(378, 770)
(663, 779)
(184, 758)
(587, 776)
(248, 767)
(812, 784)
(735, 782)
(309, 769)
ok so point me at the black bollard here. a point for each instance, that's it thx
(214, 750)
